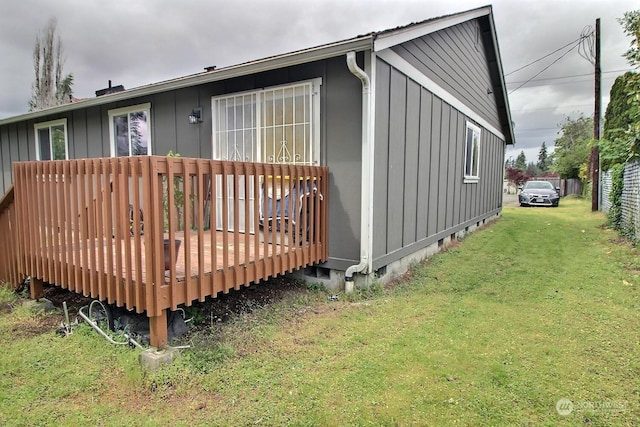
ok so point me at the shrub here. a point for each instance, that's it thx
(614, 217)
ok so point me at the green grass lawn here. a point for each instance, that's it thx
(540, 306)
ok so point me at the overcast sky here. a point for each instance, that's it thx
(146, 41)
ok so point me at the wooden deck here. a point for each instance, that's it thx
(71, 224)
(215, 257)
(219, 255)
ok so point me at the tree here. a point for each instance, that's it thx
(516, 177)
(532, 169)
(618, 119)
(543, 159)
(509, 163)
(572, 146)
(521, 162)
(631, 25)
(630, 22)
(50, 87)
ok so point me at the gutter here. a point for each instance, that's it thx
(366, 204)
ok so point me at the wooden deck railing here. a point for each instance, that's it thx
(8, 241)
(98, 227)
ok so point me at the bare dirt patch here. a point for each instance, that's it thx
(5, 307)
(213, 312)
(57, 296)
(36, 325)
(245, 300)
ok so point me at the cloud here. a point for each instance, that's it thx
(137, 43)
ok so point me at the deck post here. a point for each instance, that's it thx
(158, 329)
(36, 289)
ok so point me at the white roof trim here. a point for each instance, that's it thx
(494, 37)
(396, 37)
(402, 65)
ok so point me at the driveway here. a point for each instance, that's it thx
(510, 200)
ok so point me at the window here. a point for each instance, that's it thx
(51, 140)
(274, 125)
(472, 153)
(130, 130)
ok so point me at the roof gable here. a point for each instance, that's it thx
(396, 36)
(392, 40)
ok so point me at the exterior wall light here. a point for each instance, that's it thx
(195, 116)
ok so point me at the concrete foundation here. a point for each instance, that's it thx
(401, 266)
(334, 279)
(153, 359)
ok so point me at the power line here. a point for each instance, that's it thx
(534, 129)
(559, 107)
(545, 68)
(547, 55)
(563, 83)
(586, 49)
(567, 77)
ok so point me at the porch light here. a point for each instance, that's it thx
(195, 116)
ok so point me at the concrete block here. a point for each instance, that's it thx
(333, 282)
(153, 359)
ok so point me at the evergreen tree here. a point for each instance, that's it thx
(543, 159)
(521, 162)
(509, 163)
(532, 170)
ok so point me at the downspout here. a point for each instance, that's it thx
(366, 208)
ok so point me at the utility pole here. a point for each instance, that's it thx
(595, 155)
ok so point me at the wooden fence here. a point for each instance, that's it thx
(99, 227)
(566, 186)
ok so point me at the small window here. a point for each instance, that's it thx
(472, 153)
(51, 140)
(130, 130)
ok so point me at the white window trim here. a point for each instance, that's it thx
(126, 110)
(472, 179)
(49, 124)
(315, 120)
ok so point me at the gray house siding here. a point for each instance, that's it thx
(16, 143)
(420, 194)
(455, 58)
(340, 145)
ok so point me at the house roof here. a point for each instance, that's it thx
(375, 41)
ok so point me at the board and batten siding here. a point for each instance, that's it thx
(16, 144)
(455, 59)
(420, 193)
(340, 136)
